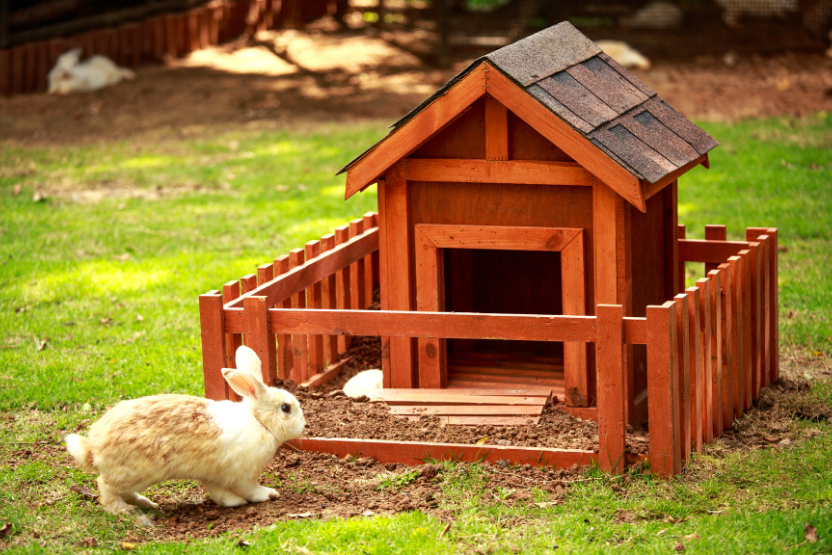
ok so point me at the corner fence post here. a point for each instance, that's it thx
(612, 404)
(259, 337)
(665, 453)
(212, 331)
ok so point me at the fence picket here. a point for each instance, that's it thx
(357, 273)
(342, 286)
(697, 387)
(745, 292)
(717, 356)
(231, 291)
(707, 398)
(369, 283)
(314, 301)
(727, 309)
(611, 398)
(330, 301)
(300, 352)
(284, 341)
(737, 346)
(259, 337)
(665, 452)
(756, 320)
(683, 345)
(714, 233)
(212, 332)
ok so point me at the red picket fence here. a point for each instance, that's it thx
(24, 68)
(709, 350)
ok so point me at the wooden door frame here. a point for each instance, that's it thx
(431, 239)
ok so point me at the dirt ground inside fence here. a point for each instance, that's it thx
(285, 78)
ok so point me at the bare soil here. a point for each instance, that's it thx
(283, 78)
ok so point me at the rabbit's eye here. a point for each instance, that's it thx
(286, 408)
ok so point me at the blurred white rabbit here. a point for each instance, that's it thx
(366, 383)
(96, 72)
(624, 54)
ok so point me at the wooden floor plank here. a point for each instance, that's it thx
(458, 384)
(467, 410)
(428, 399)
(486, 420)
(475, 392)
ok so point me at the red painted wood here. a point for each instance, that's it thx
(706, 329)
(315, 301)
(727, 336)
(665, 454)
(451, 325)
(233, 341)
(717, 356)
(715, 233)
(747, 359)
(737, 346)
(343, 286)
(680, 234)
(300, 351)
(430, 281)
(284, 341)
(259, 336)
(384, 282)
(329, 298)
(773, 306)
(357, 272)
(5, 71)
(683, 335)
(697, 386)
(369, 222)
(330, 373)
(213, 344)
(611, 398)
(416, 453)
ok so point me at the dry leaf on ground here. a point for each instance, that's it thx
(811, 534)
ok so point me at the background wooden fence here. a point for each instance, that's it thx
(24, 67)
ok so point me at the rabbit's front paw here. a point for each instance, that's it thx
(261, 494)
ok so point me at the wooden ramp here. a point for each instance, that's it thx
(479, 370)
(469, 406)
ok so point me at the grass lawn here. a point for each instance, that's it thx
(99, 303)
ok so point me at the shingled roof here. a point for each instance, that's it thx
(624, 118)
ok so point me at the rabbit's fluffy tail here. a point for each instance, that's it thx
(78, 447)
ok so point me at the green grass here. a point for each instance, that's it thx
(64, 275)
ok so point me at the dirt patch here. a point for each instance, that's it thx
(321, 486)
(281, 78)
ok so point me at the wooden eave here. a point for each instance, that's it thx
(486, 79)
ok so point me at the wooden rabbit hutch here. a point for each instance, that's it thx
(526, 245)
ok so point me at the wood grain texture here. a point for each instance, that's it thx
(606, 264)
(329, 300)
(384, 282)
(697, 386)
(407, 138)
(745, 316)
(773, 302)
(415, 453)
(727, 337)
(314, 301)
(665, 453)
(358, 287)
(756, 307)
(573, 295)
(233, 341)
(430, 282)
(570, 141)
(212, 333)
(300, 349)
(737, 331)
(511, 172)
(717, 363)
(611, 392)
(343, 285)
(706, 329)
(684, 357)
(452, 325)
(715, 233)
(496, 131)
(400, 293)
(284, 340)
(710, 252)
(521, 238)
(297, 279)
(258, 336)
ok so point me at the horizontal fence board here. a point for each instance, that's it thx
(635, 331)
(710, 252)
(415, 453)
(509, 172)
(450, 325)
(298, 279)
(498, 237)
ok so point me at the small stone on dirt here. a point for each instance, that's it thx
(336, 393)
(211, 515)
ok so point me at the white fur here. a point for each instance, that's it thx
(70, 75)
(624, 54)
(364, 383)
(223, 445)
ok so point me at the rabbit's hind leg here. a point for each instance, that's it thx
(222, 496)
(138, 500)
(256, 493)
(111, 499)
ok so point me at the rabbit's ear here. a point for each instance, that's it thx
(244, 384)
(248, 361)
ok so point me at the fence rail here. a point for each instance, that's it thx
(710, 349)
